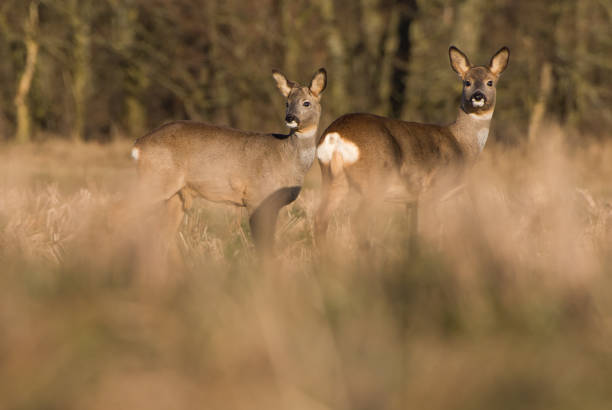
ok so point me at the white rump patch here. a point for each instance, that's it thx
(333, 142)
(136, 153)
(482, 135)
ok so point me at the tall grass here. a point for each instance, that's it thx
(506, 305)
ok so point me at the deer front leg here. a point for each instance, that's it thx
(263, 218)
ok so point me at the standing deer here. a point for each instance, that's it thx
(389, 159)
(260, 171)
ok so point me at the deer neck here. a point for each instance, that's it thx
(304, 141)
(472, 130)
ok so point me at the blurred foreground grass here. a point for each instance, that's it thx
(507, 306)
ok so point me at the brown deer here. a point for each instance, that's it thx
(260, 171)
(389, 159)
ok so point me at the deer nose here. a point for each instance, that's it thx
(478, 96)
(290, 118)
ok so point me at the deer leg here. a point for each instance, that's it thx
(334, 191)
(363, 218)
(413, 220)
(158, 250)
(144, 200)
(366, 217)
(263, 217)
(157, 201)
(175, 211)
(322, 215)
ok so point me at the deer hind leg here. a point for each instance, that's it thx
(158, 246)
(335, 188)
(174, 214)
(413, 220)
(160, 204)
(370, 218)
(144, 199)
(263, 217)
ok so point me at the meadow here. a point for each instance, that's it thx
(506, 304)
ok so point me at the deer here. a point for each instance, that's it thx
(262, 172)
(385, 159)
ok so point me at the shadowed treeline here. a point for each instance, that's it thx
(95, 69)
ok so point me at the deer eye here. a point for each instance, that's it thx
(306, 103)
(490, 83)
(468, 83)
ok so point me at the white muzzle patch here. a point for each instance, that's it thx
(478, 103)
(333, 142)
(136, 153)
(292, 124)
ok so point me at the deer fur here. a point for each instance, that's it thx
(260, 171)
(390, 159)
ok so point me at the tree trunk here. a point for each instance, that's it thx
(22, 108)
(375, 23)
(81, 75)
(212, 59)
(135, 80)
(407, 10)
(337, 53)
(580, 72)
(292, 47)
(468, 25)
(539, 109)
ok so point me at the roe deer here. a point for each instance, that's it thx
(260, 171)
(389, 159)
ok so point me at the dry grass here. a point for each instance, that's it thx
(505, 307)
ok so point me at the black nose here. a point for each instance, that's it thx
(478, 96)
(291, 118)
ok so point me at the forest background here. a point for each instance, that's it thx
(97, 70)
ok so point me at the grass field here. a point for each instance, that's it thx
(506, 306)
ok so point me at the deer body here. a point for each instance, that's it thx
(260, 171)
(193, 157)
(395, 160)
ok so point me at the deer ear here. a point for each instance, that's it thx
(499, 61)
(459, 61)
(318, 82)
(282, 83)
